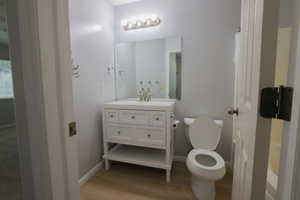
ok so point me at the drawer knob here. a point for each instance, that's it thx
(111, 116)
(157, 119)
(119, 132)
(132, 117)
(149, 135)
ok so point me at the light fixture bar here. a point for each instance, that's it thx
(133, 24)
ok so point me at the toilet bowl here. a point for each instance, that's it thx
(205, 165)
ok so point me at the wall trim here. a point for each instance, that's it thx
(85, 178)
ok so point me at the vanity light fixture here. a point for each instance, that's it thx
(139, 23)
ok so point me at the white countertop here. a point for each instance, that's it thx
(133, 104)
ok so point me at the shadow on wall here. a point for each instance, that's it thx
(7, 114)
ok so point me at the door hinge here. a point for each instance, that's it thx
(72, 129)
(276, 102)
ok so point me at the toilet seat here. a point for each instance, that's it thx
(214, 172)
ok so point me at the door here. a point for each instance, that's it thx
(259, 26)
(41, 58)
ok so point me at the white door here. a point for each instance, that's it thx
(256, 71)
(41, 57)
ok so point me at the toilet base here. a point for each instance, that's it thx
(203, 189)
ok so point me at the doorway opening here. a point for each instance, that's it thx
(10, 179)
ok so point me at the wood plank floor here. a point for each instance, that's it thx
(131, 182)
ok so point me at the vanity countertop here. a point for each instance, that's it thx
(133, 104)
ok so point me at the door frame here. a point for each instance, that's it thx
(41, 59)
(168, 79)
(289, 174)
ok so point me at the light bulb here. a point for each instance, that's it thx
(130, 25)
(124, 22)
(153, 17)
(139, 23)
(148, 22)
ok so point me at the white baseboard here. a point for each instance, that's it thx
(91, 173)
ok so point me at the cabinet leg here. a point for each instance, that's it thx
(107, 165)
(106, 161)
(168, 175)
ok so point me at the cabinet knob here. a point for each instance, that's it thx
(149, 135)
(157, 119)
(119, 132)
(132, 117)
(111, 116)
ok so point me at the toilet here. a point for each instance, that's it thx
(205, 165)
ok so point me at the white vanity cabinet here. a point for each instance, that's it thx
(139, 133)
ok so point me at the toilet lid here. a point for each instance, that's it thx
(205, 133)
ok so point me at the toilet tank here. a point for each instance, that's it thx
(203, 132)
(188, 122)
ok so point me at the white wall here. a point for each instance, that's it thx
(92, 48)
(207, 28)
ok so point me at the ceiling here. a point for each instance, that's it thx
(121, 2)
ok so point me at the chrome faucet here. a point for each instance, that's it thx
(144, 95)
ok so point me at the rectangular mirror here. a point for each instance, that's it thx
(154, 65)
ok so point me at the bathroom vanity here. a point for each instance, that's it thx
(139, 133)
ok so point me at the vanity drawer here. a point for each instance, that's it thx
(152, 137)
(158, 119)
(119, 133)
(111, 115)
(134, 117)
